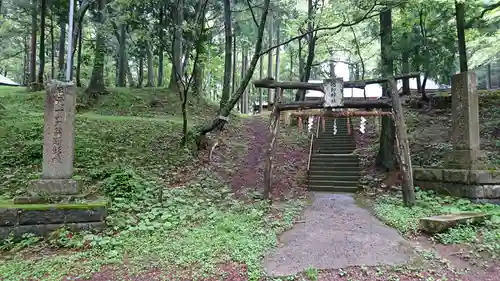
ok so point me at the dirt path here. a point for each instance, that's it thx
(290, 160)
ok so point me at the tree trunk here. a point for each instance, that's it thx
(385, 157)
(122, 57)
(41, 53)
(219, 122)
(261, 91)
(140, 74)
(270, 97)
(96, 85)
(78, 57)
(34, 29)
(161, 18)
(130, 78)
(228, 55)
(462, 50)
(235, 63)
(311, 45)
(277, 66)
(248, 93)
(62, 44)
(26, 59)
(243, 72)
(52, 44)
(151, 74)
(298, 93)
(177, 47)
(200, 69)
(406, 69)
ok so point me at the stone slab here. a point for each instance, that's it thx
(53, 187)
(55, 216)
(32, 214)
(465, 159)
(436, 224)
(44, 230)
(8, 217)
(472, 184)
(480, 177)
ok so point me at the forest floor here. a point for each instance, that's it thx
(176, 216)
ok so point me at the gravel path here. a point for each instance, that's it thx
(336, 233)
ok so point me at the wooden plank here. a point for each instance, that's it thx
(366, 104)
(269, 82)
(403, 147)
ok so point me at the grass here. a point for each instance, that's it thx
(127, 149)
(142, 139)
(484, 237)
(198, 227)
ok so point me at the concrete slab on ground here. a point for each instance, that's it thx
(336, 233)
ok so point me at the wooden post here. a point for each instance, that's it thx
(271, 140)
(403, 147)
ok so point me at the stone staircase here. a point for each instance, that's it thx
(333, 167)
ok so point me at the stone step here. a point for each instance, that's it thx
(340, 158)
(329, 134)
(340, 189)
(322, 166)
(355, 171)
(333, 150)
(333, 183)
(334, 178)
(336, 138)
(344, 167)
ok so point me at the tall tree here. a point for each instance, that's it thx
(228, 54)
(96, 85)
(385, 156)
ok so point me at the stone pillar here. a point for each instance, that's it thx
(58, 142)
(465, 123)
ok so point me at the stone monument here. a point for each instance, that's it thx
(58, 142)
(464, 173)
(54, 200)
(466, 153)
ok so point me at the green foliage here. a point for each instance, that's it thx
(126, 184)
(142, 142)
(132, 160)
(406, 220)
(198, 227)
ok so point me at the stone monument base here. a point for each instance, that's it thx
(477, 185)
(473, 159)
(53, 187)
(42, 219)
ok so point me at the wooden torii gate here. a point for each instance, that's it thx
(333, 99)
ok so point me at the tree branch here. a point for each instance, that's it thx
(487, 8)
(251, 12)
(366, 16)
